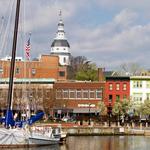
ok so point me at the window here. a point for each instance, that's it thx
(148, 84)
(61, 73)
(33, 71)
(92, 94)
(1, 70)
(110, 86)
(17, 70)
(47, 93)
(64, 59)
(117, 86)
(78, 94)
(124, 97)
(148, 96)
(58, 94)
(110, 98)
(1, 91)
(71, 93)
(98, 94)
(85, 94)
(117, 97)
(137, 97)
(65, 94)
(124, 86)
(137, 84)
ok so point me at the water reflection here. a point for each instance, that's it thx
(51, 147)
(107, 143)
(100, 143)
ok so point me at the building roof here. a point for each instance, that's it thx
(118, 78)
(60, 43)
(27, 80)
(110, 73)
(140, 77)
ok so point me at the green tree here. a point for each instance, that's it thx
(121, 109)
(87, 72)
(145, 108)
(102, 108)
(76, 64)
(126, 106)
(117, 109)
(82, 69)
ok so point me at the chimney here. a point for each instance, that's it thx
(101, 76)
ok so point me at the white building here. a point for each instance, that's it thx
(139, 89)
(60, 45)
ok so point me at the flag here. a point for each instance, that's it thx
(27, 49)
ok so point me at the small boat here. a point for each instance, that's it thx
(58, 133)
(20, 133)
(42, 136)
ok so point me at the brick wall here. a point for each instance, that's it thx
(46, 67)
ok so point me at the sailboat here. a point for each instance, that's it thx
(20, 133)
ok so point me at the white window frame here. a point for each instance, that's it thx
(87, 92)
(98, 91)
(92, 92)
(66, 91)
(78, 91)
(72, 91)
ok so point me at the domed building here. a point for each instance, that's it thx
(60, 45)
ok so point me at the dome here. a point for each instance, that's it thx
(60, 24)
(60, 43)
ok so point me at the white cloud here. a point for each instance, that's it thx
(121, 36)
(125, 18)
(136, 4)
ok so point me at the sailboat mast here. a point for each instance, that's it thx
(12, 67)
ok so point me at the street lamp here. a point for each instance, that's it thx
(89, 114)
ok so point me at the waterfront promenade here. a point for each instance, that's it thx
(77, 129)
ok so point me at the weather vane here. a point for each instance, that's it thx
(60, 13)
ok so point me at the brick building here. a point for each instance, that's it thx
(34, 92)
(78, 97)
(46, 66)
(116, 88)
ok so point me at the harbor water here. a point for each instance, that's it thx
(101, 143)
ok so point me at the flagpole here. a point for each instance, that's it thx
(27, 49)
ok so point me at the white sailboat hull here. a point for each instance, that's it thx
(23, 138)
(39, 141)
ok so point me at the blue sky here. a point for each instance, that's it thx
(107, 32)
